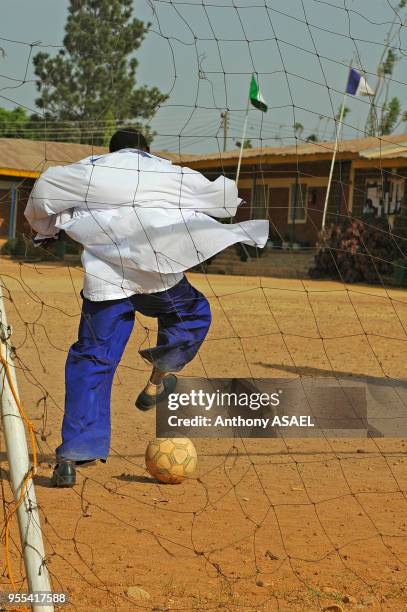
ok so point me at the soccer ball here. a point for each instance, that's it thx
(171, 460)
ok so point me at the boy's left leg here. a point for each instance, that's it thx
(104, 330)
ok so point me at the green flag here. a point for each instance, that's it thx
(255, 96)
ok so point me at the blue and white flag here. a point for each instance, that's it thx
(357, 84)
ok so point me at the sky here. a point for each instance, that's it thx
(203, 52)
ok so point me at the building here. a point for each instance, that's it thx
(286, 184)
(289, 184)
(21, 162)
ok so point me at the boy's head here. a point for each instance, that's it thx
(128, 138)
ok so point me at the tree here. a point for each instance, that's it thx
(247, 144)
(12, 123)
(390, 114)
(385, 113)
(109, 128)
(346, 112)
(298, 129)
(92, 80)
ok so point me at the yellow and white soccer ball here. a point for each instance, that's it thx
(171, 460)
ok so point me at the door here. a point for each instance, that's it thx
(278, 212)
(244, 210)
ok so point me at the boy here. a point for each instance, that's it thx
(142, 222)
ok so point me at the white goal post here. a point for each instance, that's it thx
(19, 467)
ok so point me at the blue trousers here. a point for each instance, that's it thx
(184, 318)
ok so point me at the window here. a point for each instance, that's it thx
(298, 203)
(384, 197)
(396, 196)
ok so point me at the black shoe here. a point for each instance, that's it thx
(64, 474)
(148, 402)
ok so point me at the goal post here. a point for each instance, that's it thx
(19, 468)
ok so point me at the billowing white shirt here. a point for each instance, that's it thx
(141, 220)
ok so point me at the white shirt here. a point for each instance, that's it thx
(141, 220)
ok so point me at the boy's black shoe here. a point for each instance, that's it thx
(64, 474)
(146, 402)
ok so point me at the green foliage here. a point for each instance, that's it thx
(390, 115)
(93, 78)
(20, 248)
(109, 127)
(247, 144)
(12, 123)
(346, 112)
(298, 129)
(386, 113)
(389, 63)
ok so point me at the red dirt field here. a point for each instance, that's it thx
(266, 524)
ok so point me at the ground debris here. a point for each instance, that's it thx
(271, 555)
(138, 593)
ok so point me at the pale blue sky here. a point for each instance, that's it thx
(216, 34)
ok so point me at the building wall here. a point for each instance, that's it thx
(339, 198)
(270, 188)
(294, 229)
(4, 212)
(244, 210)
(23, 189)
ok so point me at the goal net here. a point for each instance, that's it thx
(303, 103)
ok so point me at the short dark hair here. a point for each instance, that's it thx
(128, 138)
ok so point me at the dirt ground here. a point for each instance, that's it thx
(266, 524)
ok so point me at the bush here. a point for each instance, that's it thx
(20, 248)
(23, 248)
(355, 251)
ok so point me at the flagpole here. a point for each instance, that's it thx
(242, 141)
(338, 134)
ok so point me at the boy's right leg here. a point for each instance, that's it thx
(184, 317)
(104, 330)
